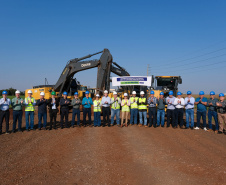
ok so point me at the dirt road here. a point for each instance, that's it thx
(133, 155)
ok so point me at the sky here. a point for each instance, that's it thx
(186, 38)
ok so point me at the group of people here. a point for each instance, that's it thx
(134, 105)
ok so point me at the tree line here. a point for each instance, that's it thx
(11, 91)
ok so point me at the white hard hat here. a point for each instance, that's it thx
(142, 92)
(134, 92)
(97, 95)
(105, 91)
(42, 94)
(30, 92)
(17, 92)
(125, 94)
(114, 93)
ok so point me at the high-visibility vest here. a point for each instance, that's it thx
(113, 104)
(133, 105)
(142, 106)
(30, 106)
(125, 107)
(96, 107)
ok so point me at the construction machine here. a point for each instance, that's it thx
(165, 84)
(67, 83)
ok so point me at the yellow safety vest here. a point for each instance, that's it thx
(96, 107)
(125, 107)
(133, 105)
(113, 104)
(142, 107)
(30, 106)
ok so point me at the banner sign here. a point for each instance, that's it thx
(131, 80)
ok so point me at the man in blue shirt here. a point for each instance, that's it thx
(189, 102)
(212, 112)
(87, 102)
(106, 102)
(201, 103)
(4, 111)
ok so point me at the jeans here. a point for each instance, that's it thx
(40, 117)
(97, 121)
(189, 114)
(179, 117)
(74, 113)
(214, 115)
(4, 114)
(199, 115)
(29, 114)
(170, 117)
(160, 115)
(133, 116)
(85, 112)
(113, 113)
(152, 116)
(144, 114)
(17, 115)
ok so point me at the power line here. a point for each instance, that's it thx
(191, 58)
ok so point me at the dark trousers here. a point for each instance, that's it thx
(85, 112)
(4, 115)
(74, 113)
(53, 117)
(170, 117)
(199, 115)
(152, 116)
(17, 116)
(64, 114)
(179, 117)
(106, 113)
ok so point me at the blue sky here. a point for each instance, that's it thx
(175, 37)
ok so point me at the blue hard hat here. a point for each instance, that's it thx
(212, 93)
(221, 94)
(201, 93)
(161, 93)
(171, 93)
(76, 93)
(179, 93)
(87, 92)
(4, 92)
(189, 92)
(64, 93)
(152, 92)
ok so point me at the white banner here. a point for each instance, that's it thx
(131, 80)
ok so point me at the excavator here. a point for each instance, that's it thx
(67, 83)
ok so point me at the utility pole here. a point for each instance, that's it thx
(148, 70)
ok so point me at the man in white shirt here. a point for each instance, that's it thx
(106, 102)
(189, 109)
(179, 104)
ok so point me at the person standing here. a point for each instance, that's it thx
(212, 112)
(17, 105)
(179, 104)
(97, 111)
(115, 108)
(29, 111)
(76, 102)
(106, 102)
(152, 101)
(133, 108)
(42, 111)
(221, 106)
(53, 110)
(189, 109)
(142, 106)
(4, 111)
(201, 103)
(161, 102)
(64, 109)
(125, 109)
(170, 110)
(87, 102)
